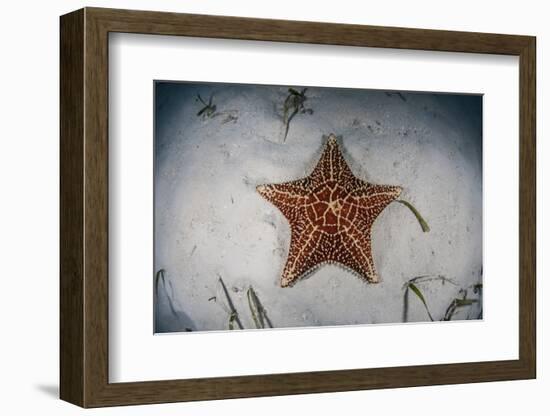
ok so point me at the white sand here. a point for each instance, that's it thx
(210, 222)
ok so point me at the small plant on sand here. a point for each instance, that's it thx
(209, 108)
(293, 105)
(459, 301)
(257, 311)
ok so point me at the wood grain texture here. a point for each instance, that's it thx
(71, 207)
(162, 23)
(527, 208)
(96, 208)
(84, 207)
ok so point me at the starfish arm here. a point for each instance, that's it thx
(373, 199)
(305, 239)
(357, 254)
(288, 197)
(331, 166)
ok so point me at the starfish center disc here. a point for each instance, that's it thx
(329, 208)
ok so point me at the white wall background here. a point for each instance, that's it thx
(29, 210)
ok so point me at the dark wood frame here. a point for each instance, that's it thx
(84, 207)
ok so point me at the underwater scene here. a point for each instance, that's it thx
(281, 206)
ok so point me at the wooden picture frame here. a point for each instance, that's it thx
(84, 207)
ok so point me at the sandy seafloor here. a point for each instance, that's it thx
(210, 222)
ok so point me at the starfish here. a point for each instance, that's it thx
(330, 213)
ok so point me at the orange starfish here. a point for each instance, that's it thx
(330, 213)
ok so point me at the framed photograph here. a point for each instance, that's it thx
(255, 207)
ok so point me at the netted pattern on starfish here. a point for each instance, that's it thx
(330, 213)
